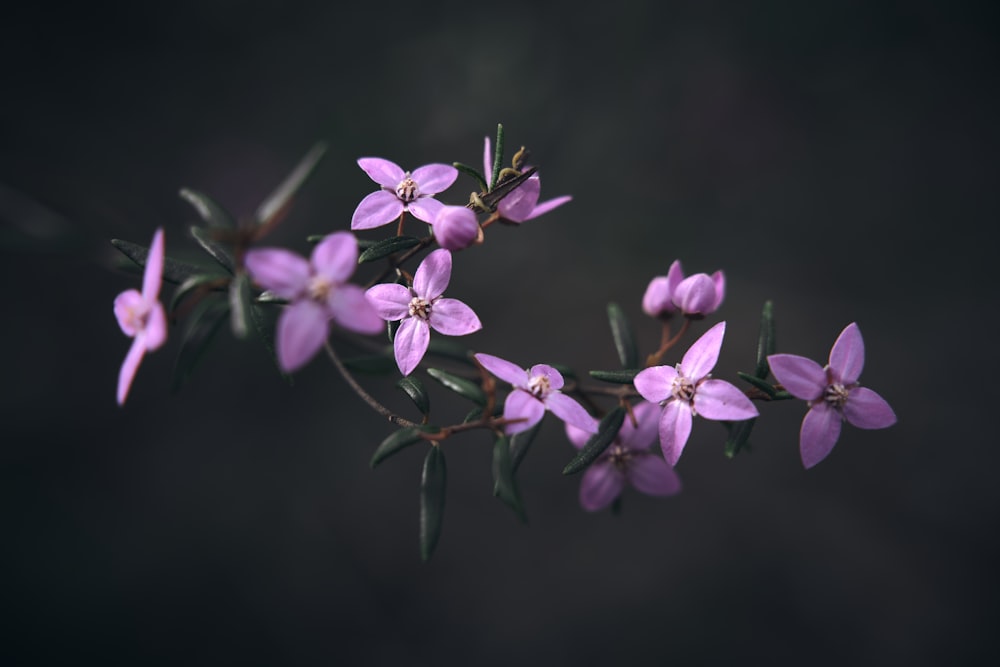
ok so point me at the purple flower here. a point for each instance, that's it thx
(401, 191)
(422, 308)
(695, 296)
(627, 459)
(535, 391)
(455, 227)
(658, 301)
(522, 203)
(141, 316)
(687, 390)
(317, 292)
(833, 394)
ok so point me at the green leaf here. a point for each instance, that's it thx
(282, 195)
(739, 434)
(217, 252)
(414, 388)
(497, 157)
(477, 413)
(475, 173)
(606, 432)
(618, 377)
(504, 485)
(461, 386)
(621, 331)
(386, 247)
(202, 325)
(210, 210)
(493, 197)
(398, 441)
(520, 442)
(264, 323)
(765, 340)
(763, 385)
(432, 490)
(173, 271)
(450, 350)
(240, 304)
(191, 284)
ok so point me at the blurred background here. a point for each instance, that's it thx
(838, 158)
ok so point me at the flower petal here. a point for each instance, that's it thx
(129, 367)
(601, 484)
(350, 308)
(658, 298)
(720, 400)
(410, 344)
(641, 436)
(701, 357)
(696, 295)
(453, 318)
(434, 178)
(336, 256)
(390, 300)
(519, 203)
(425, 209)
(719, 279)
(555, 378)
(281, 271)
(522, 405)
(384, 172)
(546, 206)
(803, 378)
(571, 412)
(487, 162)
(127, 303)
(377, 209)
(507, 371)
(675, 274)
(155, 333)
(819, 433)
(578, 437)
(152, 275)
(650, 474)
(866, 409)
(675, 427)
(655, 383)
(302, 328)
(847, 358)
(433, 275)
(455, 227)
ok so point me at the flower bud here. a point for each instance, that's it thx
(456, 227)
(658, 300)
(700, 294)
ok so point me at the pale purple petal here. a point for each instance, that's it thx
(410, 344)
(819, 433)
(642, 436)
(650, 474)
(655, 383)
(675, 428)
(377, 209)
(129, 367)
(508, 372)
(434, 178)
(391, 301)
(701, 357)
(803, 378)
(433, 275)
(571, 412)
(152, 276)
(383, 172)
(555, 377)
(350, 308)
(546, 206)
(719, 279)
(455, 227)
(302, 328)
(426, 209)
(578, 437)
(658, 298)
(720, 400)
(601, 484)
(866, 409)
(155, 332)
(522, 405)
(127, 304)
(847, 358)
(336, 257)
(453, 318)
(675, 274)
(281, 271)
(517, 205)
(487, 161)
(696, 295)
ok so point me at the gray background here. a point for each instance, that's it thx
(838, 158)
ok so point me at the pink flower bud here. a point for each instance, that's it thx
(455, 227)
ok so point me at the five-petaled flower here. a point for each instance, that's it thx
(141, 316)
(833, 394)
(626, 460)
(421, 308)
(317, 293)
(401, 191)
(697, 295)
(534, 391)
(522, 203)
(688, 390)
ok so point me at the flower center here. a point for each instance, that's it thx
(836, 395)
(319, 288)
(539, 386)
(619, 456)
(137, 316)
(420, 307)
(407, 190)
(682, 389)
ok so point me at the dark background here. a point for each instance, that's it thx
(836, 157)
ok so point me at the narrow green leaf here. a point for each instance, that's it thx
(621, 331)
(763, 385)
(210, 210)
(618, 377)
(391, 327)
(606, 432)
(765, 340)
(461, 386)
(396, 442)
(173, 271)
(472, 171)
(202, 325)
(213, 248)
(414, 388)
(504, 485)
(450, 350)
(493, 197)
(283, 194)
(432, 492)
(264, 324)
(739, 435)
(267, 296)
(386, 247)
(497, 157)
(192, 283)
(240, 304)
(520, 442)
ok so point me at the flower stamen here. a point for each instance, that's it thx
(407, 190)
(539, 386)
(420, 308)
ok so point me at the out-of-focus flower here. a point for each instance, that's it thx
(522, 203)
(687, 390)
(421, 308)
(833, 394)
(455, 227)
(627, 460)
(141, 316)
(534, 391)
(317, 292)
(401, 191)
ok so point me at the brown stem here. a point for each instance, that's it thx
(360, 391)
